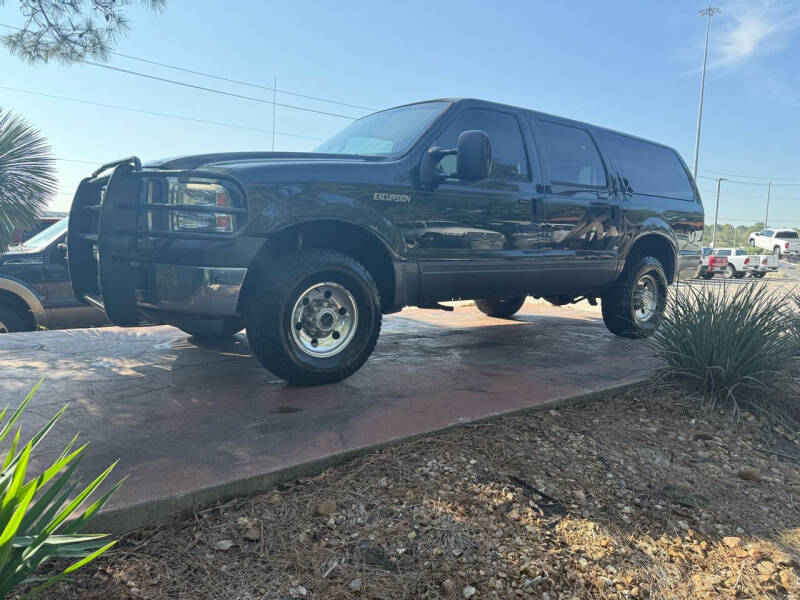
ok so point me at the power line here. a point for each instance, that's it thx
(227, 79)
(215, 91)
(750, 176)
(733, 181)
(238, 82)
(150, 112)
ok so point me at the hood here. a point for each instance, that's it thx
(228, 159)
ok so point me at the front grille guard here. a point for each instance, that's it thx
(109, 237)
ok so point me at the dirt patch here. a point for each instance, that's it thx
(640, 496)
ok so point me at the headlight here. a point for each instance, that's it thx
(200, 193)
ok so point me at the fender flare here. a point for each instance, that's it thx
(25, 293)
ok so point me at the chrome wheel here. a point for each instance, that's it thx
(645, 299)
(324, 320)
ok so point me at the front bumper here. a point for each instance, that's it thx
(193, 291)
(125, 259)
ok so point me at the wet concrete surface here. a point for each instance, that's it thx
(193, 424)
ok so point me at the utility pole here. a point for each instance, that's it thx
(707, 12)
(716, 214)
(274, 107)
(766, 216)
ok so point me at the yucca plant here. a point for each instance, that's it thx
(731, 345)
(39, 517)
(27, 176)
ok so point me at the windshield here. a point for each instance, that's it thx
(44, 238)
(385, 133)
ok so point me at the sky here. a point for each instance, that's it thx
(631, 66)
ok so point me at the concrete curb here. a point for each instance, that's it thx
(180, 506)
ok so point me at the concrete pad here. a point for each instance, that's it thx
(193, 425)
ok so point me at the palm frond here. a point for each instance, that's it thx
(27, 175)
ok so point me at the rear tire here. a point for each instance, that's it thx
(10, 321)
(752, 243)
(313, 317)
(777, 251)
(730, 272)
(500, 307)
(633, 307)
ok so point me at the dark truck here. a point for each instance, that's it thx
(411, 206)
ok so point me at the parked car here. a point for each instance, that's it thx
(763, 264)
(739, 262)
(35, 290)
(711, 264)
(781, 242)
(307, 250)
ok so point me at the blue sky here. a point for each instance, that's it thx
(632, 66)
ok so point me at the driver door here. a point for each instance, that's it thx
(470, 236)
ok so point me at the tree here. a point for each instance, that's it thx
(71, 30)
(27, 175)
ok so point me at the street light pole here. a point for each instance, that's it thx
(716, 214)
(766, 216)
(708, 12)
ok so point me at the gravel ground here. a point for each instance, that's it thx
(642, 495)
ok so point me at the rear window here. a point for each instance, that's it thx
(786, 235)
(650, 169)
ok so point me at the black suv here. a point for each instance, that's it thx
(410, 206)
(34, 286)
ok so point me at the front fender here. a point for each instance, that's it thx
(278, 207)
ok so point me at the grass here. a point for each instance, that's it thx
(736, 347)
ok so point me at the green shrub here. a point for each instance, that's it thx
(732, 345)
(34, 511)
(756, 250)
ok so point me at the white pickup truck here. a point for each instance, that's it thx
(782, 242)
(739, 263)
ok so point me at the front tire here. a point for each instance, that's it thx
(313, 317)
(500, 307)
(10, 321)
(633, 307)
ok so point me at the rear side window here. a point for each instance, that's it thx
(571, 154)
(786, 235)
(650, 169)
(508, 150)
(723, 253)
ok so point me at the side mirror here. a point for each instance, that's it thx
(474, 157)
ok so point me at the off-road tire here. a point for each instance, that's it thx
(730, 272)
(10, 321)
(500, 307)
(271, 299)
(618, 302)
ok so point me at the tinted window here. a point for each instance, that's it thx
(741, 253)
(786, 235)
(508, 149)
(767, 233)
(723, 253)
(571, 154)
(650, 169)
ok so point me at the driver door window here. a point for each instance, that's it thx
(508, 150)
